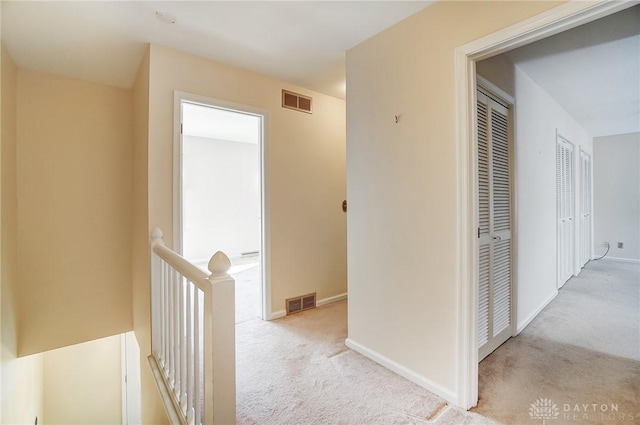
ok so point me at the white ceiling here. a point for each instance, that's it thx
(301, 42)
(592, 71)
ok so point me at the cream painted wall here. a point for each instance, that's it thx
(401, 186)
(305, 169)
(83, 383)
(74, 172)
(616, 198)
(21, 378)
(152, 407)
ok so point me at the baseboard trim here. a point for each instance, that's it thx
(622, 260)
(276, 315)
(329, 300)
(420, 380)
(533, 315)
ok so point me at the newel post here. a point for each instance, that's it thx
(224, 335)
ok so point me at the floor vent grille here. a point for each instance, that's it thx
(297, 304)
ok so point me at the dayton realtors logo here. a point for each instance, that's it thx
(544, 409)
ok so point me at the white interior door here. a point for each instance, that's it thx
(494, 231)
(565, 184)
(585, 208)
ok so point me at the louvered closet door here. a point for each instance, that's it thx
(494, 232)
(585, 208)
(566, 210)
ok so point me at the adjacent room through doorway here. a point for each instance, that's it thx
(221, 197)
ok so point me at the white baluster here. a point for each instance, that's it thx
(198, 358)
(183, 344)
(170, 333)
(190, 357)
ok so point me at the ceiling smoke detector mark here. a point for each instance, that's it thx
(296, 101)
(166, 18)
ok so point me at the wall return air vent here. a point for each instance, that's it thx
(298, 304)
(296, 101)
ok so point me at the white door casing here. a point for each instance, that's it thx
(265, 246)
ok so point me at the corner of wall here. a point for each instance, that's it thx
(21, 378)
(152, 408)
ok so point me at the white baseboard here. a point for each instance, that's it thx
(276, 315)
(533, 315)
(622, 260)
(420, 380)
(329, 300)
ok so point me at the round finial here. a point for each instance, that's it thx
(219, 263)
(156, 235)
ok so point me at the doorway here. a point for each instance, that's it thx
(220, 194)
(556, 20)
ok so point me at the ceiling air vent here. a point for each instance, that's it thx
(296, 101)
(297, 304)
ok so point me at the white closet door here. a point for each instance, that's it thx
(494, 231)
(566, 210)
(585, 208)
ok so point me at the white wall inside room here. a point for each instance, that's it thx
(220, 182)
(538, 117)
(616, 197)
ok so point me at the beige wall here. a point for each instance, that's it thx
(21, 379)
(83, 383)
(616, 195)
(74, 173)
(305, 169)
(152, 408)
(402, 186)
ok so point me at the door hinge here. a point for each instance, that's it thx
(181, 128)
(478, 233)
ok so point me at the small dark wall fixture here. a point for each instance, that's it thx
(344, 205)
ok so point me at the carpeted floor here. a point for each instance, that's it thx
(582, 352)
(297, 371)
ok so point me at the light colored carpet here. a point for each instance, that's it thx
(297, 370)
(246, 272)
(582, 350)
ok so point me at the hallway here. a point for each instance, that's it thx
(297, 370)
(582, 352)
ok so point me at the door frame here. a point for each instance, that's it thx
(551, 22)
(265, 222)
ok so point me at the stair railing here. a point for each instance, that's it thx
(193, 336)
